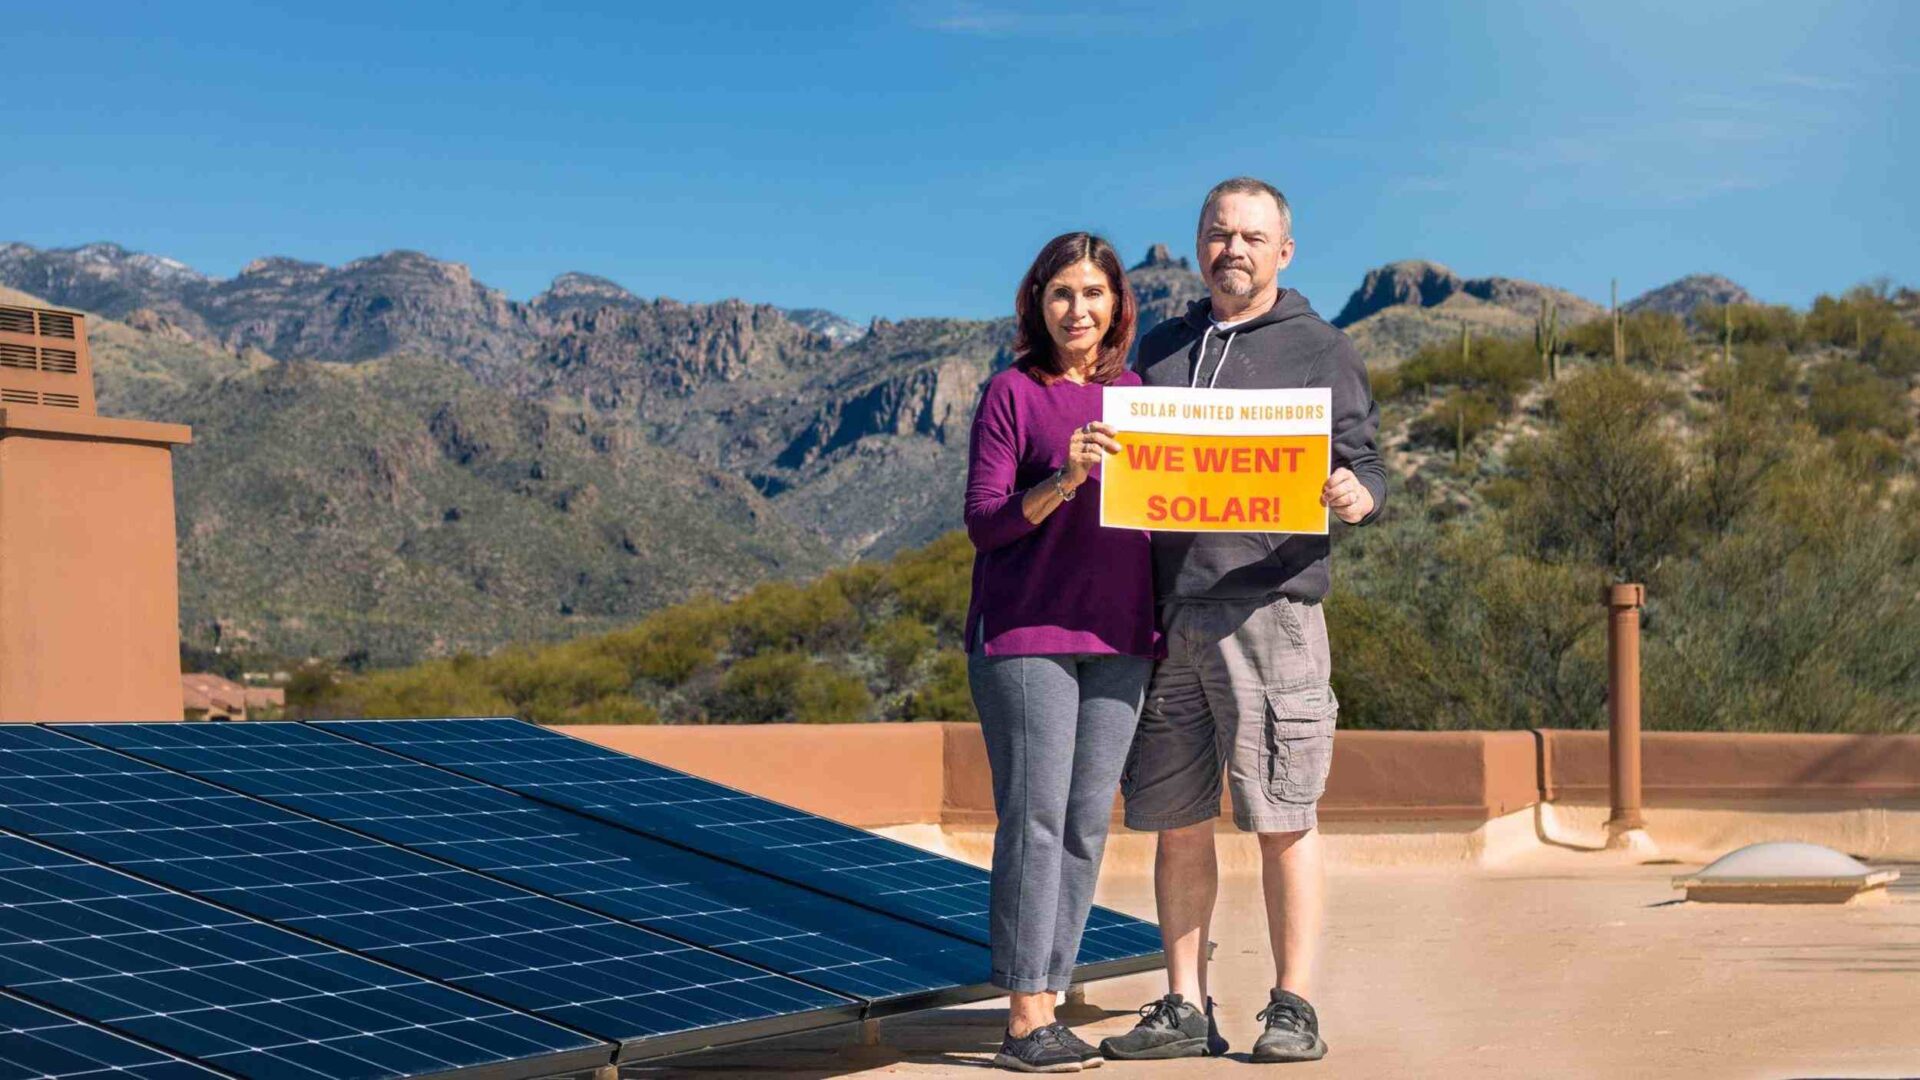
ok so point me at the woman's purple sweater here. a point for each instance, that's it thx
(1066, 585)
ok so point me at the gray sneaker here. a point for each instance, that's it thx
(1293, 1031)
(1039, 1050)
(1168, 1028)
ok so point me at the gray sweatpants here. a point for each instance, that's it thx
(1058, 729)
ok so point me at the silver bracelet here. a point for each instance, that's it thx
(1060, 487)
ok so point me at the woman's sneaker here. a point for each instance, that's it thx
(1089, 1056)
(1168, 1028)
(1293, 1031)
(1040, 1050)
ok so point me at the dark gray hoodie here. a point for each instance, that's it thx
(1288, 347)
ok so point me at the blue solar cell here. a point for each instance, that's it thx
(532, 952)
(236, 993)
(748, 830)
(40, 1044)
(733, 911)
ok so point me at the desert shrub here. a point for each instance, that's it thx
(669, 646)
(1500, 367)
(613, 709)
(542, 684)
(1385, 383)
(1766, 370)
(1459, 417)
(1740, 444)
(1591, 338)
(1894, 350)
(1607, 482)
(435, 688)
(785, 687)
(1854, 318)
(1802, 619)
(1847, 396)
(935, 582)
(782, 615)
(1753, 324)
(1652, 338)
(1391, 671)
(1534, 619)
(945, 695)
(1656, 339)
(900, 642)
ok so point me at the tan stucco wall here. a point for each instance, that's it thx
(1376, 775)
(1685, 767)
(89, 596)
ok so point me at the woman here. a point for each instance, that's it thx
(1060, 631)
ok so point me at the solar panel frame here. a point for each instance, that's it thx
(81, 898)
(275, 845)
(401, 801)
(1113, 943)
(32, 1034)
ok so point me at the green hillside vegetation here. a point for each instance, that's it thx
(1755, 468)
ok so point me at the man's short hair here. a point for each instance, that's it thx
(1249, 185)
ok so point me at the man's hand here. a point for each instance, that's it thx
(1346, 497)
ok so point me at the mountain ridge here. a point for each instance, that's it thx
(597, 451)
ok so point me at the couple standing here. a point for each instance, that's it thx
(1102, 656)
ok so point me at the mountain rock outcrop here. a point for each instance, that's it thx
(581, 292)
(1682, 296)
(1419, 283)
(1164, 286)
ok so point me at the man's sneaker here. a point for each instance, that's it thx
(1089, 1056)
(1216, 1042)
(1168, 1028)
(1293, 1031)
(1040, 1050)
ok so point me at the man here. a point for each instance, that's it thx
(1244, 686)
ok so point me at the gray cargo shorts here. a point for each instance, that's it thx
(1244, 687)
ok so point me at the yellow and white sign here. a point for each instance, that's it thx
(1217, 460)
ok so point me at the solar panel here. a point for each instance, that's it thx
(750, 831)
(692, 897)
(601, 976)
(40, 1044)
(238, 994)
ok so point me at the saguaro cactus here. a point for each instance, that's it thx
(1546, 338)
(1619, 339)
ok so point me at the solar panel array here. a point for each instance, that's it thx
(398, 898)
(40, 1044)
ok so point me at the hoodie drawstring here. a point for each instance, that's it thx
(1225, 348)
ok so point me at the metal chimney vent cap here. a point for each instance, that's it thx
(1783, 870)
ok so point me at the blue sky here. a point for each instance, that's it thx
(908, 158)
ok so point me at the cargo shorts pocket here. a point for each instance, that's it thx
(1300, 724)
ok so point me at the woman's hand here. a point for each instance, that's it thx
(1088, 447)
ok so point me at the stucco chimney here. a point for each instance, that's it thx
(89, 584)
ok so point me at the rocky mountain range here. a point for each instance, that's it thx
(394, 458)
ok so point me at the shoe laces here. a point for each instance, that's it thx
(1160, 1012)
(1280, 1009)
(1045, 1035)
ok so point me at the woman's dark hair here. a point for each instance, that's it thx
(1033, 345)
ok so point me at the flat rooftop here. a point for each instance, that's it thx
(1554, 963)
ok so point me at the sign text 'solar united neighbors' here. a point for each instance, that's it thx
(1217, 460)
